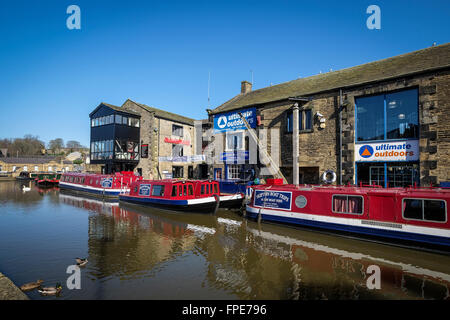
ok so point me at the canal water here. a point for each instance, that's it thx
(142, 253)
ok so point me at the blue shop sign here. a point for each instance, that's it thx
(144, 189)
(273, 199)
(233, 156)
(232, 121)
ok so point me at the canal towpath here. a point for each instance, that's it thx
(9, 291)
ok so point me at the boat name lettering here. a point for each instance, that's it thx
(273, 199)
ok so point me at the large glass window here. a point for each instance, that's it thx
(388, 116)
(118, 119)
(177, 150)
(234, 171)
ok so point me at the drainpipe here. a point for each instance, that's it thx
(341, 102)
(295, 143)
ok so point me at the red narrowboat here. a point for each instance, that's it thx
(108, 186)
(412, 214)
(197, 196)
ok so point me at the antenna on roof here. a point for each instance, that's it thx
(209, 79)
(251, 71)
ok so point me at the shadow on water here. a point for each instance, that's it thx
(141, 253)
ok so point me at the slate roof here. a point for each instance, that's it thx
(165, 114)
(428, 59)
(29, 160)
(115, 108)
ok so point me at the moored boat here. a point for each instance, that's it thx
(399, 214)
(177, 195)
(102, 185)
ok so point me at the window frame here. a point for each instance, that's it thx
(302, 120)
(347, 195)
(384, 95)
(423, 210)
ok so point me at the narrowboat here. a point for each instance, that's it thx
(413, 214)
(106, 186)
(24, 176)
(197, 196)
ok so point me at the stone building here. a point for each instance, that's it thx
(16, 165)
(384, 122)
(161, 143)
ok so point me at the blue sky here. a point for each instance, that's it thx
(160, 52)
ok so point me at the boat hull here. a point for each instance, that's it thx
(232, 201)
(389, 231)
(204, 205)
(91, 191)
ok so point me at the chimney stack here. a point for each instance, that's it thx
(246, 87)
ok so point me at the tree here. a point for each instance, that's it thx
(56, 145)
(73, 144)
(29, 145)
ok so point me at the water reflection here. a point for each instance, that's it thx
(250, 261)
(142, 253)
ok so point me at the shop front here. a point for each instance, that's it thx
(387, 139)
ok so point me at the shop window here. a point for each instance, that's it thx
(304, 120)
(158, 190)
(388, 116)
(177, 172)
(177, 130)
(425, 209)
(347, 204)
(234, 171)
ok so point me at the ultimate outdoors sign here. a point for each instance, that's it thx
(232, 121)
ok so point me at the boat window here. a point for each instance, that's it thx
(158, 190)
(180, 190)
(190, 190)
(216, 188)
(82, 180)
(90, 181)
(135, 189)
(174, 191)
(185, 190)
(347, 204)
(202, 189)
(425, 209)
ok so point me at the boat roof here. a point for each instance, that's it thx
(375, 190)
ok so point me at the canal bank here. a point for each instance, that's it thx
(9, 291)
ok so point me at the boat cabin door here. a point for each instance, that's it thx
(382, 208)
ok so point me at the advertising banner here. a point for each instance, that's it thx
(387, 151)
(232, 121)
(273, 199)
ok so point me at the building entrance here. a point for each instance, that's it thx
(388, 174)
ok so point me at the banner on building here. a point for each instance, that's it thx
(233, 156)
(232, 121)
(193, 158)
(387, 151)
